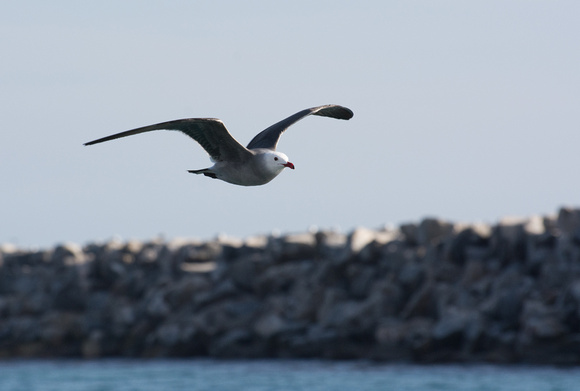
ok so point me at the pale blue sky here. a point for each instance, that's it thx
(465, 110)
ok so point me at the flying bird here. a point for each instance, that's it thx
(254, 165)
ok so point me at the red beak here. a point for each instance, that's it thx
(289, 165)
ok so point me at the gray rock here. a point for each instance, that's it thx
(422, 303)
(410, 233)
(568, 221)
(220, 292)
(317, 341)
(239, 343)
(454, 326)
(397, 340)
(245, 270)
(281, 277)
(359, 239)
(387, 298)
(156, 306)
(168, 334)
(364, 244)
(508, 239)
(332, 298)
(92, 346)
(201, 252)
(58, 327)
(294, 247)
(331, 244)
(574, 291)
(504, 307)
(269, 325)
(473, 272)
(470, 243)
(68, 254)
(227, 315)
(433, 230)
(540, 321)
(348, 316)
(303, 301)
(360, 277)
(184, 291)
(411, 276)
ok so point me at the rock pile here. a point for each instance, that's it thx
(428, 292)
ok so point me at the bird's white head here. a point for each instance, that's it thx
(275, 162)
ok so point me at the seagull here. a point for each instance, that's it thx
(254, 165)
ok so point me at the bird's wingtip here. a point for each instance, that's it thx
(334, 111)
(348, 114)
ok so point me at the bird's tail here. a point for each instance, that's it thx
(205, 171)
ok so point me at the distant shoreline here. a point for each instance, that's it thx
(430, 292)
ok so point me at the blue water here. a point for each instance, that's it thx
(133, 375)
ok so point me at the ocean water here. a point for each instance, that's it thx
(149, 375)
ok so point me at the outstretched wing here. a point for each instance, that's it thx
(210, 133)
(269, 137)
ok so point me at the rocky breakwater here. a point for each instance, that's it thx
(427, 292)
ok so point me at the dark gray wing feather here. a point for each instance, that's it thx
(210, 133)
(269, 137)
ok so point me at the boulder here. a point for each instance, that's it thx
(399, 340)
(568, 221)
(293, 247)
(281, 277)
(432, 230)
(457, 328)
(269, 325)
(540, 321)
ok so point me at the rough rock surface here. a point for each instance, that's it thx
(434, 291)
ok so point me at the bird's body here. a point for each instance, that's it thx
(254, 165)
(256, 171)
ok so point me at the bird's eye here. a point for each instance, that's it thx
(276, 158)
